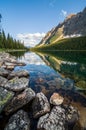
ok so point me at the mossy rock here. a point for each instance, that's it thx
(81, 84)
(5, 97)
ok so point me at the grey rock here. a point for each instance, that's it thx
(3, 81)
(55, 120)
(7, 57)
(9, 67)
(8, 61)
(72, 114)
(19, 121)
(5, 97)
(15, 63)
(17, 84)
(4, 72)
(1, 63)
(40, 105)
(20, 63)
(19, 73)
(20, 100)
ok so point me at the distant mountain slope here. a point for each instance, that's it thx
(73, 26)
(71, 44)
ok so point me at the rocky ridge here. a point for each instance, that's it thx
(73, 26)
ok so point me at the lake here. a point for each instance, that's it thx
(57, 71)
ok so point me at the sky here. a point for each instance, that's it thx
(30, 20)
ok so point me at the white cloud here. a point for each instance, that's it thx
(30, 39)
(64, 13)
(31, 58)
(52, 3)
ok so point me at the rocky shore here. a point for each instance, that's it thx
(16, 94)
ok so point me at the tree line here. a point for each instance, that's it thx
(7, 42)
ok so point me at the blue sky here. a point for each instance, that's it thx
(26, 19)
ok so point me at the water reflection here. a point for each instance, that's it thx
(54, 73)
(31, 58)
(73, 70)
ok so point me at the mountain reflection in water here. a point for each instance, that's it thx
(62, 72)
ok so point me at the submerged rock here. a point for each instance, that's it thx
(55, 120)
(72, 114)
(3, 81)
(3, 72)
(20, 100)
(56, 99)
(5, 97)
(19, 73)
(19, 121)
(40, 105)
(17, 84)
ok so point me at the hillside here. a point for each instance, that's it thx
(77, 43)
(69, 31)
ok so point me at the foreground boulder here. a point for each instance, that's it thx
(5, 97)
(40, 105)
(3, 81)
(55, 120)
(18, 73)
(17, 84)
(3, 72)
(56, 99)
(19, 121)
(20, 100)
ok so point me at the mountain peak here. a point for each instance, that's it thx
(70, 16)
(73, 26)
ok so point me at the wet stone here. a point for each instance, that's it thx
(20, 63)
(3, 72)
(5, 97)
(8, 61)
(19, 121)
(55, 120)
(56, 99)
(19, 73)
(6, 57)
(20, 100)
(40, 105)
(15, 63)
(17, 84)
(3, 81)
(72, 114)
(9, 67)
(68, 84)
(1, 63)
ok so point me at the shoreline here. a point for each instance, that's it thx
(18, 97)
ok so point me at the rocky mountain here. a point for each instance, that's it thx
(73, 26)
